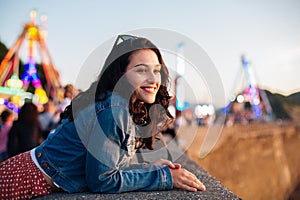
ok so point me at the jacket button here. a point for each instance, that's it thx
(45, 166)
(39, 155)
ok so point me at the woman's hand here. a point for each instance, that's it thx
(183, 179)
(163, 162)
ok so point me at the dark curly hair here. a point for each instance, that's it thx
(111, 75)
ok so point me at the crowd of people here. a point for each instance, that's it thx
(31, 126)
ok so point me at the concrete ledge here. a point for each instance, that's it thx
(215, 190)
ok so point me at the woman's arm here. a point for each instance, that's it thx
(107, 179)
(105, 170)
(108, 153)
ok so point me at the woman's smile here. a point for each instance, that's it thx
(151, 90)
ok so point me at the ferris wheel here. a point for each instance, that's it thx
(10, 83)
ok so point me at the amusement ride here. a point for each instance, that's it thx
(252, 98)
(13, 90)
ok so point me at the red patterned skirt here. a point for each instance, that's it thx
(20, 178)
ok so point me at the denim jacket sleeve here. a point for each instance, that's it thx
(108, 155)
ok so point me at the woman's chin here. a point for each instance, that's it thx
(147, 99)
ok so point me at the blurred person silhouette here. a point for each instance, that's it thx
(122, 111)
(69, 92)
(5, 126)
(25, 132)
(48, 118)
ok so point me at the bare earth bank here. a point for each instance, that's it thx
(255, 161)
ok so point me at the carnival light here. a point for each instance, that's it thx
(14, 82)
(30, 75)
(253, 89)
(11, 106)
(204, 110)
(6, 90)
(16, 100)
(180, 102)
(42, 96)
(33, 15)
(33, 33)
(240, 98)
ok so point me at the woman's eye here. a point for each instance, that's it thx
(141, 70)
(157, 71)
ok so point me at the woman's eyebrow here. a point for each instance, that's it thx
(145, 65)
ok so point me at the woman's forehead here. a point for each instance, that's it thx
(144, 56)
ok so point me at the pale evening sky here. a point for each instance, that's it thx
(267, 32)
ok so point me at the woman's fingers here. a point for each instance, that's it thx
(177, 165)
(192, 181)
(187, 187)
(192, 186)
(170, 164)
(201, 186)
(184, 179)
(173, 165)
(198, 184)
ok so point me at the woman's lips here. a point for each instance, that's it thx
(149, 89)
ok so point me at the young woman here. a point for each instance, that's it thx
(101, 130)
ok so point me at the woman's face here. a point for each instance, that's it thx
(143, 73)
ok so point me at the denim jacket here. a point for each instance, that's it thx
(92, 153)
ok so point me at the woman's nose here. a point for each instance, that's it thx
(151, 78)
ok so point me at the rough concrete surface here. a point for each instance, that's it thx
(215, 190)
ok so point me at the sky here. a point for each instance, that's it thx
(266, 31)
